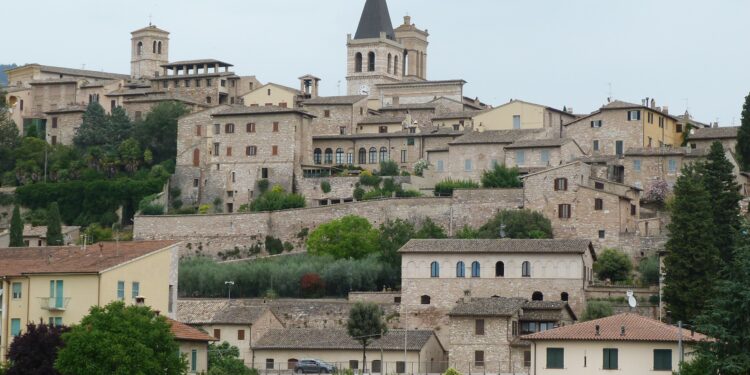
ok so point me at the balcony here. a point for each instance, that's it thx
(54, 304)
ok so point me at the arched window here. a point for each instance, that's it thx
(526, 269)
(291, 363)
(383, 154)
(564, 296)
(425, 300)
(537, 296)
(390, 63)
(329, 156)
(460, 269)
(499, 269)
(154, 46)
(339, 156)
(317, 155)
(196, 157)
(358, 62)
(435, 269)
(362, 159)
(395, 65)
(158, 49)
(373, 155)
(371, 62)
(475, 269)
(139, 49)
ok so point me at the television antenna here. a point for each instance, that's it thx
(631, 300)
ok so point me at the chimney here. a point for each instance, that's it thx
(653, 103)
(140, 301)
(597, 330)
(715, 124)
(622, 330)
(665, 109)
(101, 249)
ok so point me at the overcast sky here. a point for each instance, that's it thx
(558, 53)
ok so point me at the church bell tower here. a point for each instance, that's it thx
(149, 51)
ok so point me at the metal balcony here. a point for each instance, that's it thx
(54, 304)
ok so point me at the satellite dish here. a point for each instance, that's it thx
(631, 299)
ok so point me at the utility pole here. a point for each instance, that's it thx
(679, 343)
(45, 160)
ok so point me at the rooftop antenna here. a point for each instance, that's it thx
(631, 300)
(149, 19)
(338, 87)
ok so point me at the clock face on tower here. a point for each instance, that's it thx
(364, 90)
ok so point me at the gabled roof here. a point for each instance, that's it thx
(335, 100)
(73, 72)
(550, 311)
(402, 107)
(518, 246)
(494, 136)
(74, 108)
(375, 19)
(536, 105)
(457, 115)
(285, 88)
(184, 332)
(96, 258)
(424, 83)
(339, 339)
(209, 311)
(373, 120)
(239, 110)
(714, 133)
(151, 28)
(540, 143)
(495, 306)
(637, 328)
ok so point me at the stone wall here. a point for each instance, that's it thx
(615, 127)
(214, 233)
(375, 297)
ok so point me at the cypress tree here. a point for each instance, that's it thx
(16, 229)
(718, 178)
(54, 228)
(743, 138)
(692, 261)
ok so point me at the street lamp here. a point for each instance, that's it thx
(229, 285)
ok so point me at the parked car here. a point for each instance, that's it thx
(314, 366)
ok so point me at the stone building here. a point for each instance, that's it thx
(535, 155)
(148, 52)
(224, 151)
(37, 236)
(229, 321)
(272, 94)
(336, 115)
(485, 332)
(618, 126)
(518, 114)
(580, 205)
(704, 137)
(437, 274)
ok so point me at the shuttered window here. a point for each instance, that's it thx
(610, 359)
(662, 360)
(479, 327)
(555, 358)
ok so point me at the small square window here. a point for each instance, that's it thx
(602, 234)
(327, 113)
(598, 204)
(275, 127)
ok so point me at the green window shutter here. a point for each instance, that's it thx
(663, 359)
(15, 327)
(610, 359)
(193, 360)
(59, 294)
(555, 358)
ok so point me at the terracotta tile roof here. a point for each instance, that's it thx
(72, 259)
(81, 72)
(238, 110)
(550, 311)
(619, 104)
(425, 132)
(494, 136)
(403, 107)
(184, 332)
(206, 311)
(521, 246)
(457, 115)
(335, 100)
(53, 81)
(134, 91)
(69, 109)
(637, 328)
(150, 28)
(338, 339)
(665, 151)
(715, 133)
(165, 97)
(41, 231)
(538, 143)
(197, 62)
(495, 306)
(382, 120)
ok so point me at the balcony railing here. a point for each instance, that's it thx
(54, 304)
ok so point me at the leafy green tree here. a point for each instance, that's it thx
(9, 139)
(517, 224)
(366, 325)
(649, 270)
(34, 352)
(726, 319)
(430, 229)
(446, 187)
(692, 261)
(718, 178)
(54, 227)
(93, 129)
(16, 229)
(613, 264)
(349, 237)
(501, 177)
(389, 168)
(597, 310)
(225, 359)
(394, 234)
(119, 127)
(158, 132)
(467, 233)
(120, 340)
(743, 138)
(275, 200)
(130, 154)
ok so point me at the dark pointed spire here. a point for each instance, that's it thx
(375, 19)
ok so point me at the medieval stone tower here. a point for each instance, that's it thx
(415, 44)
(149, 51)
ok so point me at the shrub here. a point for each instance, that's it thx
(325, 186)
(274, 246)
(312, 286)
(367, 179)
(420, 166)
(517, 224)
(653, 299)
(430, 229)
(263, 185)
(389, 168)
(348, 237)
(405, 173)
(501, 177)
(186, 211)
(649, 270)
(451, 371)
(389, 185)
(152, 209)
(446, 187)
(408, 194)
(275, 201)
(203, 209)
(597, 310)
(375, 194)
(288, 246)
(613, 265)
(359, 193)
(657, 192)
